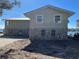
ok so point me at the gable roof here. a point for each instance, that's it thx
(54, 7)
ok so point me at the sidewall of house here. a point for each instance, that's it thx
(15, 27)
(60, 34)
(48, 24)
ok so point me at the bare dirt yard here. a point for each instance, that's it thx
(5, 41)
(14, 50)
(38, 49)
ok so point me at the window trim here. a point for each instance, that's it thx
(7, 23)
(41, 21)
(60, 18)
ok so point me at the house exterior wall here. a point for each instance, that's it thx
(14, 27)
(48, 23)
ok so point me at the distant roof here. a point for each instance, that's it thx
(56, 8)
(17, 19)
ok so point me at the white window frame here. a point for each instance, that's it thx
(37, 20)
(60, 18)
(7, 22)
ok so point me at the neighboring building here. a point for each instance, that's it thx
(17, 26)
(46, 22)
(77, 24)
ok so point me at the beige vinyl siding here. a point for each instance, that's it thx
(48, 22)
(48, 18)
(16, 26)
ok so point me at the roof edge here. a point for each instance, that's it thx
(57, 8)
(17, 19)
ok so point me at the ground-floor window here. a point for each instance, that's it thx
(43, 32)
(53, 32)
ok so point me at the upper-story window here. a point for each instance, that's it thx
(57, 19)
(39, 19)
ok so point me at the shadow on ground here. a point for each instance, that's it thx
(65, 49)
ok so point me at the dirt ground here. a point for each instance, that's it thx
(5, 41)
(14, 48)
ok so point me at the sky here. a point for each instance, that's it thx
(28, 5)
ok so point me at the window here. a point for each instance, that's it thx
(43, 32)
(39, 19)
(7, 22)
(57, 19)
(52, 32)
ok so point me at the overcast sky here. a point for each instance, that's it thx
(28, 5)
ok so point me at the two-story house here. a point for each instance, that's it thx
(47, 22)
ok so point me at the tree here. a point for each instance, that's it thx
(7, 4)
